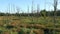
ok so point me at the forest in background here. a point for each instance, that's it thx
(40, 13)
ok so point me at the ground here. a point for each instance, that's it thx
(10, 21)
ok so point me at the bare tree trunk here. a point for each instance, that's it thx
(28, 11)
(55, 9)
(38, 9)
(32, 10)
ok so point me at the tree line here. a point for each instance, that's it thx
(41, 13)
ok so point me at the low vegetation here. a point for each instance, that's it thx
(11, 24)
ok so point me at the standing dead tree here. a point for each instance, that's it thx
(38, 10)
(18, 10)
(32, 9)
(55, 9)
(28, 10)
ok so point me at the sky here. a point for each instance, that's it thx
(12, 5)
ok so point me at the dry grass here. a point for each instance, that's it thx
(27, 22)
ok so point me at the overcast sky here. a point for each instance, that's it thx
(6, 5)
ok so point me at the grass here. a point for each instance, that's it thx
(8, 20)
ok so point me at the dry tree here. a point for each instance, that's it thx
(38, 11)
(18, 10)
(32, 10)
(55, 9)
(28, 11)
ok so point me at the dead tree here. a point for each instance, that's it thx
(38, 9)
(28, 11)
(18, 10)
(44, 12)
(32, 10)
(55, 9)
